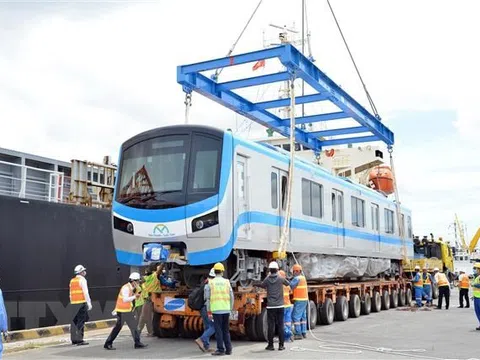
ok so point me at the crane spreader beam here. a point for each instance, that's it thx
(299, 66)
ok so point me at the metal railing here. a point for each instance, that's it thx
(31, 183)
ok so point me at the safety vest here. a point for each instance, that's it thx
(76, 293)
(464, 282)
(442, 280)
(300, 292)
(151, 284)
(141, 300)
(286, 297)
(219, 294)
(124, 306)
(418, 283)
(476, 291)
(426, 280)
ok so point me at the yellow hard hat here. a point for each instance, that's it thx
(219, 267)
(476, 265)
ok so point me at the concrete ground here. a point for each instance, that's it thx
(393, 334)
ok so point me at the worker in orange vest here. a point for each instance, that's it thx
(124, 312)
(81, 304)
(300, 302)
(464, 286)
(287, 320)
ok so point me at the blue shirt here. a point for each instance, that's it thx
(3, 315)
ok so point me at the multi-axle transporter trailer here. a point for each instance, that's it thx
(328, 303)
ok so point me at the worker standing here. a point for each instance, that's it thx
(443, 288)
(81, 303)
(124, 312)
(288, 306)
(219, 298)
(428, 281)
(3, 322)
(275, 305)
(464, 285)
(203, 341)
(300, 302)
(151, 286)
(476, 291)
(140, 301)
(418, 286)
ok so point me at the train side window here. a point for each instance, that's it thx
(389, 222)
(409, 227)
(358, 212)
(312, 199)
(274, 190)
(334, 208)
(306, 198)
(284, 192)
(375, 212)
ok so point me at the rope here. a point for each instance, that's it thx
(370, 100)
(219, 71)
(188, 104)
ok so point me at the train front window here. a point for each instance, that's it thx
(152, 173)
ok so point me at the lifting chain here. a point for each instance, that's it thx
(188, 104)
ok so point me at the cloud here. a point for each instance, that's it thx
(76, 80)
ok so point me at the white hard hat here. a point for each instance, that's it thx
(212, 272)
(417, 267)
(134, 276)
(436, 269)
(273, 265)
(79, 269)
(425, 267)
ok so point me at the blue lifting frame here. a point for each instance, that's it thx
(299, 67)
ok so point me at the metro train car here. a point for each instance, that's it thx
(206, 196)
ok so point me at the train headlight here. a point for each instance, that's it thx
(123, 225)
(205, 221)
(130, 228)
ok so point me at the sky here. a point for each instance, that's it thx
(77, 79)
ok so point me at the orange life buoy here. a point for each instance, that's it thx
(330, 152)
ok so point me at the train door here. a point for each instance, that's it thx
(338, 216)
(375, 214)
(241, 197)
(282, 196)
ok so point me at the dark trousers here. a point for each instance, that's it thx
(444, 291)
(222, 332)
(464, 294)
(275, 317)
(132, 323)
(77, 326)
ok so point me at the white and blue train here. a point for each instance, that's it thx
(214, 197)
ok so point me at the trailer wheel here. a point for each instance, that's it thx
(355, 306)
(311, 315)
(408, 297)
(366, 304)
(385, 300)
(262, 326)
(376, 302)
(326, 312)
(250, 328)
(394, 299)
(341, 309)
(160, 332)
(401, 297)
(434, 292)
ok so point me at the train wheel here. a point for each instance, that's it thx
(408, 297)
(401, 297)
(311, 315)
(251, 328)
(262, 326)
(394, 299)
(341, 309)
(376, 302)
(355, 306)
(326, 312)
(385, 300)
(366, 304)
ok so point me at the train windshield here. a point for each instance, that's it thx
(169, 171)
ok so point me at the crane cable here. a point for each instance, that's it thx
(188, 95)
(370, 100)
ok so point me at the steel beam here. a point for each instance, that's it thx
(317, 118)
(354, 140)
(286, 102)
(255, 81)
(342, 131)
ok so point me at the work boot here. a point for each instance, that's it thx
(281, 347)
(140, 346)
(298, 337)
(200, 344)
(108, 347)
(218, 353)
(270, 347)
(304, 336)
(82, 343)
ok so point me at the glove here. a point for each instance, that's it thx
(89, 307)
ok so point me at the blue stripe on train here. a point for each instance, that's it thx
(221, 253)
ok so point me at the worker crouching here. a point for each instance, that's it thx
(300, 302)
(124, 310)
(427, 285)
